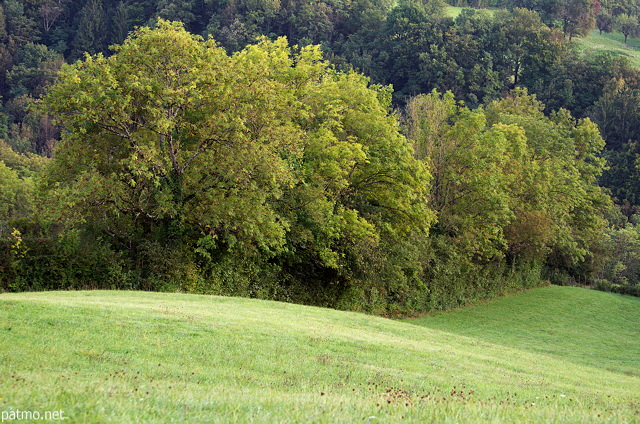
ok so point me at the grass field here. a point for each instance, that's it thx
(571, 324)
(130, 357)
(613, 42)
(454, 11)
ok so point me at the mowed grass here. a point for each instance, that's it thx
(572, 324)
(128, 357)
(613, 42)
(454, 11)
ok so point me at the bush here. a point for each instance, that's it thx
(36, 257)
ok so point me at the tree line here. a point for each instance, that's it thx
(269, 173)
(331, 188)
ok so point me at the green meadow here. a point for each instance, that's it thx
(550, 355)
(613, 42)
(572, 324)
(454, 11)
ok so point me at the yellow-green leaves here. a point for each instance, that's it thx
(265, 152)
(559, 204)
(510, 179)
(178, 131)
(467, 160)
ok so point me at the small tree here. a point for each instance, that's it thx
(604, 22)
(628, 26)
(578, 17)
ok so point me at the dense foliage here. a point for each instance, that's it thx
(253, 166)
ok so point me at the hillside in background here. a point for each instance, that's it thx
(612, 42)
(566, 323)
(150, 357)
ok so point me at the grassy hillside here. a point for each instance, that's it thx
(613, 42)
(567, 323)
(151, 357)
(454, 11)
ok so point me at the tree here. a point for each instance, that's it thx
(578, 17)
(604, 22)
(16, 196)
(34, 68)
(120, 23)
(170, 129)
(621, 269)
(548, 10)
(21, 28)
(617, 7)
(469, 189)
(528, 48)
(617, 113)
(49, 11)
(384, 184)
(173, 146)
(627, 25)
(560, 199)
(414, 41)
(176, 10)
(92, 29)
(17, 205)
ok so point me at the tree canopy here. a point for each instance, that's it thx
(170, 141)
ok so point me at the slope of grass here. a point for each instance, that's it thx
(613, 42)
(148, 357)
(567, 323)
(454, 11)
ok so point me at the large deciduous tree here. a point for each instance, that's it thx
(268, 153)
(560, 206)
(171, 132)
